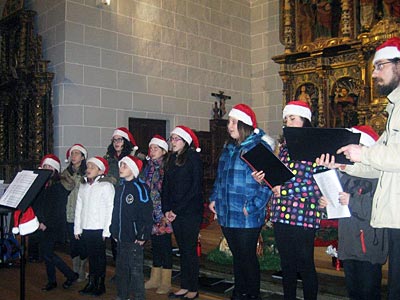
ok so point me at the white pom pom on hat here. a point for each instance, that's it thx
(25, 222)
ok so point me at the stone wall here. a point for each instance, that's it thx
(158, 59)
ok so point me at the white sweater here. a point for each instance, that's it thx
(94, 207)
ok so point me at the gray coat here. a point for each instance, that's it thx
(357, 239)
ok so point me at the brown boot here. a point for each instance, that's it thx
(165, 285)
(155, 279)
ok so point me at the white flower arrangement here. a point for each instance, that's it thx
(331, 251)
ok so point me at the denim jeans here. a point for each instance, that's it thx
(129, 272)
(246, 268)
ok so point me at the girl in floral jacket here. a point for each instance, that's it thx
(153, 175)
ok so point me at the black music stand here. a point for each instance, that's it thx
(24, 203)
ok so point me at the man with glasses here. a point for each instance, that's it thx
(382, 160)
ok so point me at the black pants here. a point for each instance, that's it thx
(363, 279)
(162, 250)
(186, 230)
(246, 268)
(394, 264)
(53, 261)
(34, 245)
(129, 271)
(296, 249)
(76, 247)
(96, 251)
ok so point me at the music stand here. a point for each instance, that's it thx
(35, 186)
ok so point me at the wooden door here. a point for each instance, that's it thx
(144, 129)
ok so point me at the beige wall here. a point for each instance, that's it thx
(157, 59)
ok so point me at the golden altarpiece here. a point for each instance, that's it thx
(329, 45)
(26, 122)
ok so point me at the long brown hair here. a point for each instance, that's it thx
(244, 132)
(181, 157)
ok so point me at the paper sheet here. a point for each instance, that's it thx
(18, 188)
(329, 184)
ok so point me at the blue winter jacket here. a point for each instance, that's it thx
(235, 188)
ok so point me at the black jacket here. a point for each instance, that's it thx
(132, 216)
(50, 209)
(182, 186)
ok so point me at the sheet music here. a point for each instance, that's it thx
(18, 188)
(329, 184)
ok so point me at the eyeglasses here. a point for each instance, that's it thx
(379, 66)
(118, 140)
(175, 139)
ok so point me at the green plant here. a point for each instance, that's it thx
(268, 261)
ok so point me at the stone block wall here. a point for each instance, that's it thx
(158, 59)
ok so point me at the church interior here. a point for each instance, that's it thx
(71, 71)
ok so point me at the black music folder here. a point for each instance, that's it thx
(260, 158)
(308, 143)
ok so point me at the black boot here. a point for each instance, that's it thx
(100, 287)
(90, 286)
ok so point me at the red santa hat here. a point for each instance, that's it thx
(297, 108)
(188, 135)
(78, 147)
(100, 162)
(160, 142)
(388, 50)
(244, 113)
(25, 222)
(368, 134)
(134, 163)
(125, 133)
(51, 160)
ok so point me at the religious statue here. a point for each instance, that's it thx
(323, 26)
(366, 13)
(391, 8)
(215, 110)
(305, 22)
(219, 111)
(344, 109)
(304, 96)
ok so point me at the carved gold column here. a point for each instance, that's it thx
(2, 129)
(345, 20)
(287, 27)
(21, 138)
